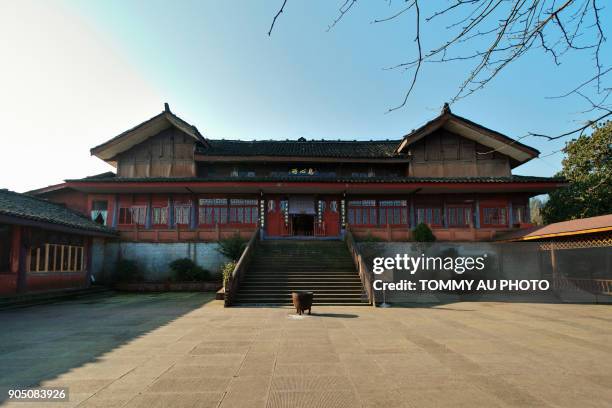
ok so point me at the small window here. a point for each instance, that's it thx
(182, 214)
(99, 211)
(519, 214)
(160, 216)
(57, 258)
(429, 215)
(494, 216)
(459, 216)
(133, 215)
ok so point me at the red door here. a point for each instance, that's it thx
(331, 216)
(275, 217)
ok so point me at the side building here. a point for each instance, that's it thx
(44, 246)
(172, 184)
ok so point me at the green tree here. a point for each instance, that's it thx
(587, 167)
(422, 233)
(232, 247)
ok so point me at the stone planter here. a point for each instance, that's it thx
(302, 301)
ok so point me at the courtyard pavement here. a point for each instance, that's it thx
(186, 350)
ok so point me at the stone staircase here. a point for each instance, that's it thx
(284, 266)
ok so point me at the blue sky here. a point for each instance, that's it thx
(84, 71)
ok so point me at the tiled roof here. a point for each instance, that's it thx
(373, 149)
(290, 178)
(564, 228)
(35, 209)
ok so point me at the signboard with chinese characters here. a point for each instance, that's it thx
(303, 171)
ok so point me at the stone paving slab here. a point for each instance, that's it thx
(186, 350)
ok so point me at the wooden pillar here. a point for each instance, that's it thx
(115, 219)
(510, 215)
(171, 221)
(88, 260)
(528, 212)
(15, 246)
(193, 213)
(149, 216)
(412, 215)
(19, 258)
(444, 217)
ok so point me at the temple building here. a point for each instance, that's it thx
(173, 184)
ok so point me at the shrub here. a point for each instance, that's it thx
(226, 271)
(127, 270)
(422, 233)
(185, 270)
(370, 238)
(232, 247)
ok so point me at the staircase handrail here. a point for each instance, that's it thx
(231, 286)
(364, 272)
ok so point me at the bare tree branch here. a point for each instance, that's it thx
(343, 10)
(417, 39)
(493, 34)
(574, 131)
(275, 17)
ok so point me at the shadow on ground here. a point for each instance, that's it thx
(40, 343)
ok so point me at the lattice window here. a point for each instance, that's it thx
(362, 212)
(494, 216)
(160, 216)
(459, 216)
(182, 214)
(133, 215)
(57, 258)
(429, 215)
(393, 212)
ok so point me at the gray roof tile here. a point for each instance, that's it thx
(36, 209)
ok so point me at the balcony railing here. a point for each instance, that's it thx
(230, 286)
(139, 234)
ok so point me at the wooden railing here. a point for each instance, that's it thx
(364, 272)
(199, 234)
(231, 284)
(595, 286)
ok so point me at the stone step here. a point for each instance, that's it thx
(290, 304)
(287, 293)
(279, 268)
(281, 302)
(297, 285)
(302, 278)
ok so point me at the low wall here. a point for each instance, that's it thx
(153, 258)
(8, 283)
(42, 281)
(401, 234)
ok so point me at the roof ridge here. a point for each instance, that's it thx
(307, 141)
(44, 200)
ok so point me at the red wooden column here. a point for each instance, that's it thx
(15, 249)
(18, 259)
(8, 278)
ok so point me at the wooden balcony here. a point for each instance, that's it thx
(200, 234)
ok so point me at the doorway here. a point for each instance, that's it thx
(302, 224)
